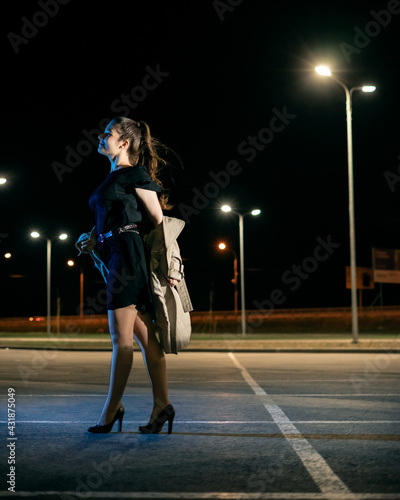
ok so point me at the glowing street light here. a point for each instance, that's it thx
(368, 88)
(227, 208)
(63, 236)
(3, 180)
(325, 71)
(7, 255)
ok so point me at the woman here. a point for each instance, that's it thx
(130, 191)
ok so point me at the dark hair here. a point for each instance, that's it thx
(143, 149)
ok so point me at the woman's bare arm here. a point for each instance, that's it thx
(151, 204)
(153, 208)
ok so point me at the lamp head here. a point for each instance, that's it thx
(368, 88)
(323, 70)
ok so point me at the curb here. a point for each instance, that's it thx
(249, 346)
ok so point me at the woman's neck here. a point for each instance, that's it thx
(118, 163)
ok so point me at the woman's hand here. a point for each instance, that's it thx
(88, 245)
(172, 282)
(85, 245)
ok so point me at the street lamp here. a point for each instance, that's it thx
(63, 236)
(325, 71)
(222, 246)
(71, 263)
(227, 208)
(3, 180)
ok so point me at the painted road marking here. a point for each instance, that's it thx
(207, 495)
(219, 422)
(323, 476)
(278, 394)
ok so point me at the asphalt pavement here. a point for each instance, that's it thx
(248, 425)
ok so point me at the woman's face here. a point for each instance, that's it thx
(109, 143)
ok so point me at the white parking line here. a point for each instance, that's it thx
(218, 422)
(278, 394)
(323, 476)
(206, 496)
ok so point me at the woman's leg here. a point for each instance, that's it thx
(154, 358)
(121, 323)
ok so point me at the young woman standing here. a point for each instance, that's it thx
(130, 192)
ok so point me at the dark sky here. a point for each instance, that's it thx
(209, 79)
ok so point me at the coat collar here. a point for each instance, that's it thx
(172, 229)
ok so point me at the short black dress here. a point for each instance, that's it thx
(116, 205)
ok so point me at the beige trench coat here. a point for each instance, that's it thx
(172, 304)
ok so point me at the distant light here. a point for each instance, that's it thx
(368, 88)
(63, 236)
(71, 263)
(3, 180)
(35, 234)
(31, 319)
(226, 208)
(37, 319)
(256, 212)
(222, 246)
(323, 70)
(7, 255)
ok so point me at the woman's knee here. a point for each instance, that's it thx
(121, 338)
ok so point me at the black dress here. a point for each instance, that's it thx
(116, 205)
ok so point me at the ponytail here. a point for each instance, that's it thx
(143, 150)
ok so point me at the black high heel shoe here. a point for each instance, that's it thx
(168, 413)
(103, 429)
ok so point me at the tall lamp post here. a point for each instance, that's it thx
(325, 71)
(227, 208)
(222, 246)
(71, 263)
(63, 236)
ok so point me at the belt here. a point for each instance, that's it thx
(124, 229)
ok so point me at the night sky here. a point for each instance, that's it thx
(230, 86)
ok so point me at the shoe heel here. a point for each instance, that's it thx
(170, 422)
(120, 422)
